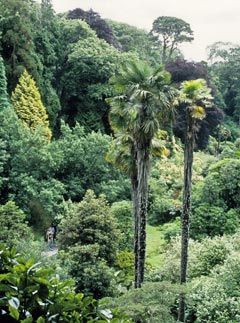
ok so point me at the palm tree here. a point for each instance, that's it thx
(197, 97)
(123, 155)
(144, 96)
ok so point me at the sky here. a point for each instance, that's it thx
(210, 20)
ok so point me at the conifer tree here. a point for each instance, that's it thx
(28, 105)
(4, 101)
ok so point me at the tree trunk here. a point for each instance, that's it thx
(188, 162)
(134, 183)
(171, 136)
(143, 162)
(164, 52)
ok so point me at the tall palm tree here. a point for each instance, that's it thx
(123, 155)
(144, 97)
(196, 95)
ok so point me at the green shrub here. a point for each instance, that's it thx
(13, 225)
(150, 304)
(125, 269)
(90, 222)
(32, 248)
(208, 254)
(203, 257)
(122, 212)
(171, 230)
(221, 186)
(163, 210)
(237, 143)
(125, 262)
(215, 298)
(116, 189)
(228, 151)
(92, 274)
(89, 237)
(209, 220)
(31, 293)
(212, 146)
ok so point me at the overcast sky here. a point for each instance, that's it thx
(211, 20)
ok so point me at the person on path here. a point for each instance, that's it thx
(50, 236)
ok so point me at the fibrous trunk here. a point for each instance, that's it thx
(134, 183)
(141, 212)
(188, 161)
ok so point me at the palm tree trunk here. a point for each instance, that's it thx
(143, 162)
(188, 162)
(134, 183)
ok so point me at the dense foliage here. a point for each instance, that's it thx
(88, 236)
(13, 225)
(85, 108)
(31, 293)
(27, 103)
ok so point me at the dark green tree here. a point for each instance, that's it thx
(122, 212)
(83, 165)
(84, 83)
(4, 100)
(17, 40)
(89, 237)
(13, 224)
(139, 41)
(47, 43)
(225, 69)
(99, 25)
(171, 32)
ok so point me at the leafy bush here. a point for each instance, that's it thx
(150, 304)
(90, 222)
(222, 184)
(165, 190)
(210, 220)
(91, 273)
(13, 225)
(163, 210)
(125, 262)
(89, 238)
(208, 254)
(171, 229)
(116, 189)
(125, 270)
(31, 248)
(83, 165)
(31, 293)
(203, 257)
(166, 182)
(122, 212)
(237, 143)
(215, 298)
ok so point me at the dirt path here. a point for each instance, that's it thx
(50, 253)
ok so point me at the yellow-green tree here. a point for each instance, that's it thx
(28, 105)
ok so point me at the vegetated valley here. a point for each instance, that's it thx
(119, 171)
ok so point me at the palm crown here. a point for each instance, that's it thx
(197, 96)
(144, 97)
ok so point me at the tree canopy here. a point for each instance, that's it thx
(171, 32)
